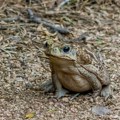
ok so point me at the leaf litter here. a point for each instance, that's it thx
(21, 47)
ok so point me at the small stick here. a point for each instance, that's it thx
(47, 24)
(10, 19)
(62, 3)
(81, 38)
(74, 96)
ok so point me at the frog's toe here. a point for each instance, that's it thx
(61, 93)
(106, 92)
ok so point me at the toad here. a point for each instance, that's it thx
(76, 69)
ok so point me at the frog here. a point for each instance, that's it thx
(76, 69)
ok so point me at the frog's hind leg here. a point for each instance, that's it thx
(106, 92)
(91, 78)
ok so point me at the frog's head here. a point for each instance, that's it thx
(60, 51)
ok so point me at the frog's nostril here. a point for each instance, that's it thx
(66, 49)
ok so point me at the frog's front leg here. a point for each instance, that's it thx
(60, 91)
(91, 78)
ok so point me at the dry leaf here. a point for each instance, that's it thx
(29, 115)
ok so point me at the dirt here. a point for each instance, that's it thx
(22, 64)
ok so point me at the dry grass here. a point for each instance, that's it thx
(20, 61)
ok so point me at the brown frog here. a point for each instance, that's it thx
(77, 70)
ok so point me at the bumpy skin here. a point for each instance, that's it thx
(77, 70)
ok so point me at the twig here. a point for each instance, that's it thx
(10, 19)
(74, 96)
(3, 27)
(71, 14)
(15, 26)
(47, 24)
(81, 38)
(62, 3)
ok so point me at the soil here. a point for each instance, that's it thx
(22, 64)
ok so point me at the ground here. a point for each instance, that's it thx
(21, 64)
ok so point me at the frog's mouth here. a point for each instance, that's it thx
(57, 60)
(61, 57)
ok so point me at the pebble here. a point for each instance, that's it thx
(65, 99)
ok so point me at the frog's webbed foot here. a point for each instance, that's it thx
(47, 86)
(61, 93)
(106, 92)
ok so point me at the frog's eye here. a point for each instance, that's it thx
(66, 49)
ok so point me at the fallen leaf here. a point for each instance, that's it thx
(29, 115)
